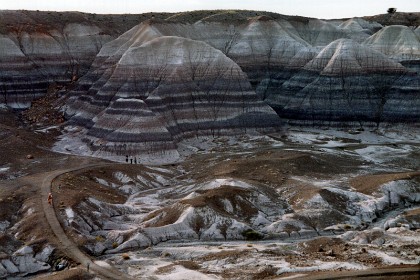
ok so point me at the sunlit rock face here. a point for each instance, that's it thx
(164, 90)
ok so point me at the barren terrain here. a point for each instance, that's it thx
(306, 173)
(209, 145)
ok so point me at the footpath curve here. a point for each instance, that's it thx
(65, 244)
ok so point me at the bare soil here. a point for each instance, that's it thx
(369, 184)
(274, 169)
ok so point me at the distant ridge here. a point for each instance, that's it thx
(398, 18)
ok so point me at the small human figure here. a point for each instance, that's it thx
(131, 160)
(126, 159)
(50, 198)
(135, 160)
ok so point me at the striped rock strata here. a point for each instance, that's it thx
(261, 46)
(271, 49)
(146, 90)
(396, 41)
(31, 61)
(348, 83)
(40, 48)
(162, 91)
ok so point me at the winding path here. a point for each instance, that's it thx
(65, 244)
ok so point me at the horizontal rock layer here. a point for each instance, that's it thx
(165, 90)
(40, 48)
(283, 57)
(348, 82)
(32, 61)
(396, 41)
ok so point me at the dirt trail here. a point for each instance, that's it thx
(67, 246)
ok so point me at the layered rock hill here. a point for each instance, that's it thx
(40, 48)
(163, 90)
(348, 82)
(310, 71)
(396, 41)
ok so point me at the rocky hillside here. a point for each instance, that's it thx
(206, 72)
(253, 191)
(157, 92)
(39, 48)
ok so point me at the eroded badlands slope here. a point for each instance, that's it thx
(166, 89)
(348, 82)
(361, 198)
(206, 73)
(40, 48)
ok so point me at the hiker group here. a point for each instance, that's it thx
(131, 159)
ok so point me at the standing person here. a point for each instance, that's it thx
(135, 160)
(50, 198)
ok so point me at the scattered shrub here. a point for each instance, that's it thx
(251, 234)
(189, 265)
(391, 10)
(166, 254)
(100, 238)
(125, 256)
